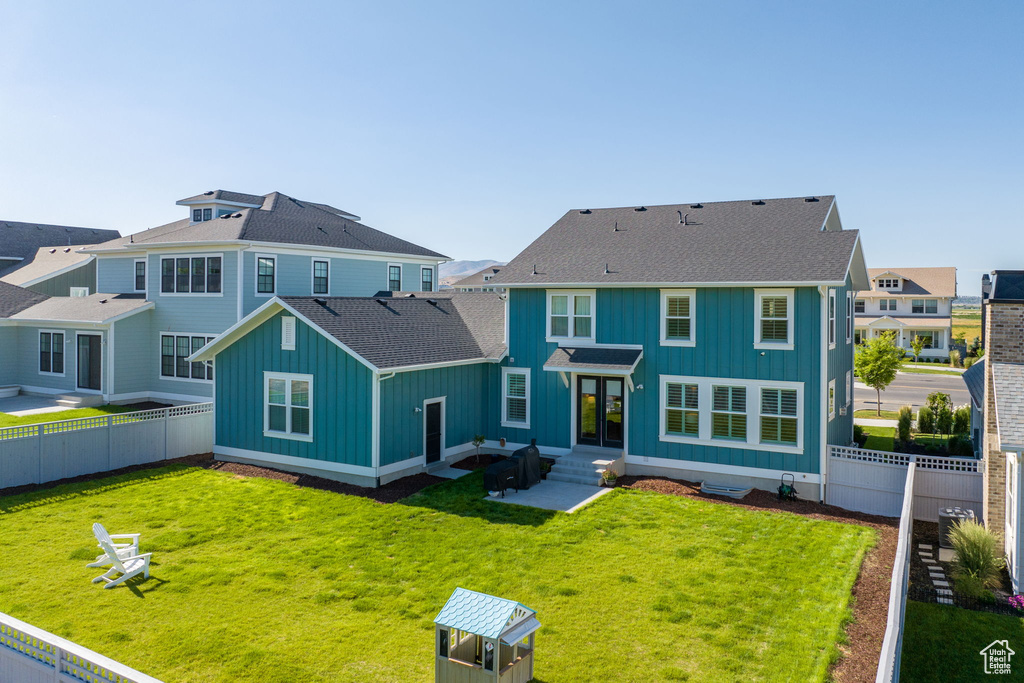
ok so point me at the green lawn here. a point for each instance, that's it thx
(870, 413)
(880, 438)
(928, 369)
(941, 643)
(260, 580)
(12, 420)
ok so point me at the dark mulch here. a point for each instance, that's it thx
(859, 655)
(146, 405)
(471, 463)
(388, 493)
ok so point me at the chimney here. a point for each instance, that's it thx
(986, 292)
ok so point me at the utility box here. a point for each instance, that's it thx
(947, 518)
(482, 638)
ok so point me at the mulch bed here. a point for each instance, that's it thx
(146, 405)
(859, 655)
(471, 463)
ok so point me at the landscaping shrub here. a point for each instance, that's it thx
(961, 445)
(977, 565)
(905, 422)
(944, 420)
(925, 420)
(954, 358)
(962, 420)
(969, 361)
(859, 436)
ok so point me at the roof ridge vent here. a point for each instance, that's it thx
(53, 251)
(432, 302)
(696, 206)
(586, 211)
(322, 302)
(208, 192)
(640, 208)
(382, 302)
(810, 199)
(67, 249)
(759, 202)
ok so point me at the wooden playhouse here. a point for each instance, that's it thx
(481, 637)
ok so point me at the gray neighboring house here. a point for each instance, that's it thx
(49, 251)
(480, 281)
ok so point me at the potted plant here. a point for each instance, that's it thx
(478, 441)
(545, 467)
(609, 477)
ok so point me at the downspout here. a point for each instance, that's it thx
(378, 377)
(823, 403)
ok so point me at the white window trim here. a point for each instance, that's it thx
(286, 321)
(256, 275)
(145, 275)
(433, 278)
(160, 355)
(289, 377)
(571, 306)
(849, 317)
(312, 276)
(71, 291)
(704, 405)
(38, 351)
(833, 319)
(504, 398)
(759, 294)
(830, 397)
(175, 257)
(665, 294)
(103, 360)
(849, 387)
(401, 276)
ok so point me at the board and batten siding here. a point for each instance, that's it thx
(342, 395)
(724, 348)
(840, 360)
(470, 398)
(60, 285)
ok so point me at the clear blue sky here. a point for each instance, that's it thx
(471, 127)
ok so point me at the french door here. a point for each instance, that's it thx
(599, 411)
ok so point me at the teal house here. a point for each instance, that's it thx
(704, 341)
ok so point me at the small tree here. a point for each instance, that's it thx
(962, 420)
(926, 420)
(938, 400)
(944, 420)
(917, 346)
(960, 338)
(905, 422)
(877, 363)
(478, 441)
(975, 345)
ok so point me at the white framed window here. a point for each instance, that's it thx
(849, 387)
(288, 406)
(889, 283)
(858, 306)
(394, 277)
(288, 333)
(732, 413)
(773, 319)
(924, 306)
(887, 305)
(321, 274)
(426, 279)
(831, 318)
(192, 274)
(266, 275)
(678, 317)
(570, 315)
(515, 397)
(849, 317)
(831, 399)
(51, 352)
(79, 291)
(140, 275)
(174, 352)
(779, 421)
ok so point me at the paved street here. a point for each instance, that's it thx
(910, 389)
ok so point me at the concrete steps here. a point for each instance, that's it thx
(77, 400)
(584, 465)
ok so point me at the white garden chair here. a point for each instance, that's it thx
(127, 567)
(121, 549)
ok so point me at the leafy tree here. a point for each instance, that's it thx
(917, 346)
(926, 420)
(938, 400)
(905, 422)
(944, 420)
(877, 362)
(960, 338)
(975, 345)
(962, 420)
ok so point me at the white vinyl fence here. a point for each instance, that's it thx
(38, 453)
(892, 645)
(874, 482)
(32, 655)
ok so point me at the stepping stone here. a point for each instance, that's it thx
(944, 591)
(941, 584)
(927, 560)
(944, 601)
(924, 553)
(924, 546)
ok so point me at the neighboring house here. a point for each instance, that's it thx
(1003, 303)
(974, 378)
(479, 281)
(19, 242)
(699, 341)
(56, 271)
(911, 302)
(162, 293)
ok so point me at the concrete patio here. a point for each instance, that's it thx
(30, 405)
(554, 495)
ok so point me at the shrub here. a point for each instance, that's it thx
(944, 420)
(981, 352)
(962, 420)
(961, 445)
(954, 358)
(905, 422)
(859, 436)
(977, 565)
(969, 361)
(925, 420)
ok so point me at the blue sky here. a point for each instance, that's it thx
(471, 127)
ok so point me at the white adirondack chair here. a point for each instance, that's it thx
(122, 549)
(127, 567)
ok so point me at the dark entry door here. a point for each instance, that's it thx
(599, 413)
(90, 354)
(433, 428)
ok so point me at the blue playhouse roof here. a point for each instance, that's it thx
(478, 613)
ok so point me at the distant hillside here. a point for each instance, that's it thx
(456, 270)
(967, 301)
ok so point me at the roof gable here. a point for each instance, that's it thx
(481, 614)
(918, 281)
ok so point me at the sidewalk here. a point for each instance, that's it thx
(874, 423)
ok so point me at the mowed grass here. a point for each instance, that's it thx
(56, 416)
(942, 643)
(260, 580)
(880, 438)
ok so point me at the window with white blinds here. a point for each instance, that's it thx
(773, 319)
(515, 405)
(778, 416)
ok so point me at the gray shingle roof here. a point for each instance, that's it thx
(1007, 380)
(284, 220)
(46, 261)
(477, 278)
(974, 378)
(779, 240)
(224, 196)
(21, 240)
(14, 299)
(411, 331)
(95, 308)
(594, 358)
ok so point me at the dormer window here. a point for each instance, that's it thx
(197, 215)
(207, 214)
(889, 283)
